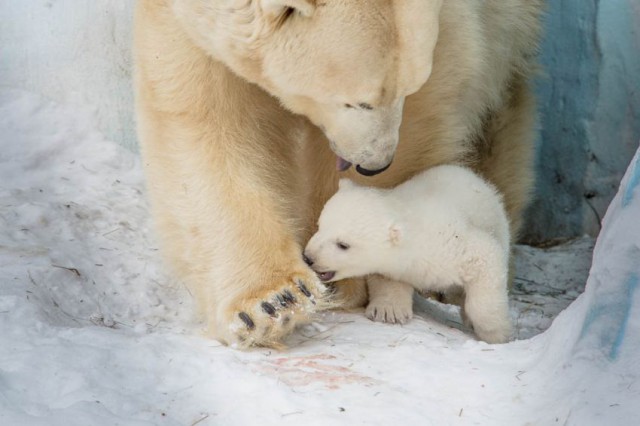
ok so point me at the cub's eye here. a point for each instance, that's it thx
(285, 16)
(342, 246)
(348, 106)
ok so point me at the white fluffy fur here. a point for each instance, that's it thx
(445, 227)
(242, 109)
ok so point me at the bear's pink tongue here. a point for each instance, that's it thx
(342, 164)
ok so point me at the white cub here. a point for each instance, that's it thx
(445, 228)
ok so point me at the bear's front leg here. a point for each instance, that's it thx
(233, 239)
(250, 279)
(256, 286)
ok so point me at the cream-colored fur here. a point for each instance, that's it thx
(444, 228)
(243, 106)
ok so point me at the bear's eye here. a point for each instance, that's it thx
(342, 246)
(361, 105)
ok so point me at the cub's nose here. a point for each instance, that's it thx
(307, 259)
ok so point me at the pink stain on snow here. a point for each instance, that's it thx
(314, 369)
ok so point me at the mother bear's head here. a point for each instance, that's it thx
(345, 64)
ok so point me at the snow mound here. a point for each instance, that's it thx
(93, 332)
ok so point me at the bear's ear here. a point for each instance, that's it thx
(346, 184)
(395, 234)
(278, 7)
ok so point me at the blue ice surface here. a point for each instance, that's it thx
(633, 183)
(605, 325)
(632, 286)
(616, 276)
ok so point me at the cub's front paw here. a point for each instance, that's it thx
(390, 311)
(270, 314)
(389, 301)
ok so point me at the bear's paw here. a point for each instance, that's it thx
(266, 318)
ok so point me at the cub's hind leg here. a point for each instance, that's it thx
(486, 301)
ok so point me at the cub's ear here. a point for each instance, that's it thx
(346, 184)
(278, 7)
(395, 234)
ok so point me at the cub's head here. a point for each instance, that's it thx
(357, 233)
(345, 64)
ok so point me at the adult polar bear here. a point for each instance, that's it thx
(243, 106)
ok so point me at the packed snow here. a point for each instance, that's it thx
(93, 331)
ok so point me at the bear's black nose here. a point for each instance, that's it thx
(307, 259)
(367, 172)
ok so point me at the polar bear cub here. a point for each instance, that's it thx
(444, 229)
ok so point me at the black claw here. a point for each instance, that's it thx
(280, 300)
(303, 288)
(288, 297)
(247, 320)
(268, 308)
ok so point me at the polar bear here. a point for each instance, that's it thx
(249, 112)
(444, 228)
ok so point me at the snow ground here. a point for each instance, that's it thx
(93, 332)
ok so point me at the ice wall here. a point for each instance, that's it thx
(589, 103)
(78, 51)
